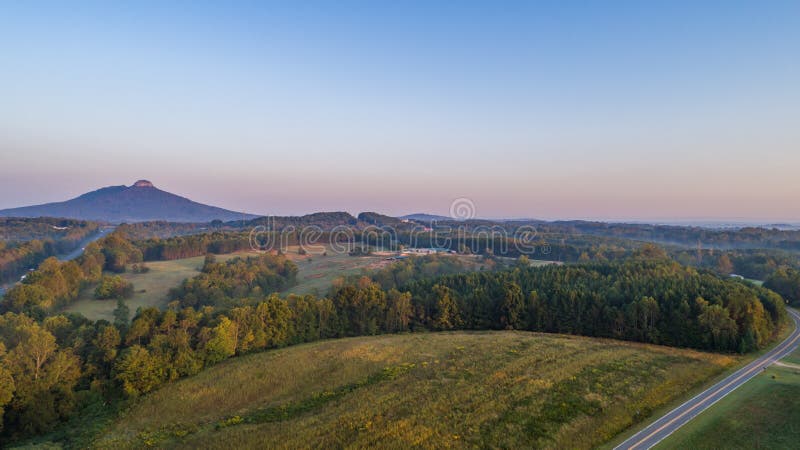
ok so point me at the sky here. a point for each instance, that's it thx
(609, 110)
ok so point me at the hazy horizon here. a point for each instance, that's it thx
(623, 111)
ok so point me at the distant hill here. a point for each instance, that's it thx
(422, 217)
(373, 218)
(138, 203)
(324, 220)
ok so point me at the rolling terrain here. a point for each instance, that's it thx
(456, 389)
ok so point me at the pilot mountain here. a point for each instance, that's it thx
(137, 203)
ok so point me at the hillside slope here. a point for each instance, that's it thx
(432, 390)
(137, 203)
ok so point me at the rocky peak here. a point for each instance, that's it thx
(143, 183)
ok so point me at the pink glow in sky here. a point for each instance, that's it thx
(665, 112)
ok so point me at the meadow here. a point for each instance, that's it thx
(150, 288)
(315, 275)
(763, 413)
(430, 390)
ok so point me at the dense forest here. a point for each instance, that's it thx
(655, 301)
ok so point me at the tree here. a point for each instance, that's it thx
(523, 261)
(651, 251)
(399, 311)
(512, 306)
(724, 265)
(7, 386)
(138, 371)
(106, 345)
(113, 287)
(26, 297)
(122, 315)
(722, 329)
(36, 346)
(222, 342)
(446, 316)
(44, 376)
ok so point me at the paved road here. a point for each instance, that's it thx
(69, 256)
(668, 424)
(79, 251)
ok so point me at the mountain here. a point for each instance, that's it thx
(138, 203)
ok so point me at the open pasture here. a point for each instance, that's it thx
(429, 390)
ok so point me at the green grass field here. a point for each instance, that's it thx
(156, 283)
(316, 272)
(793, 358)
(150, 289)
(429, 390)
(763, 413)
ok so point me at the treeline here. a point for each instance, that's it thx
(179, 247)
(656, 301)
(163, 229)
(734, 238)
(221, 284)
(324, 220)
